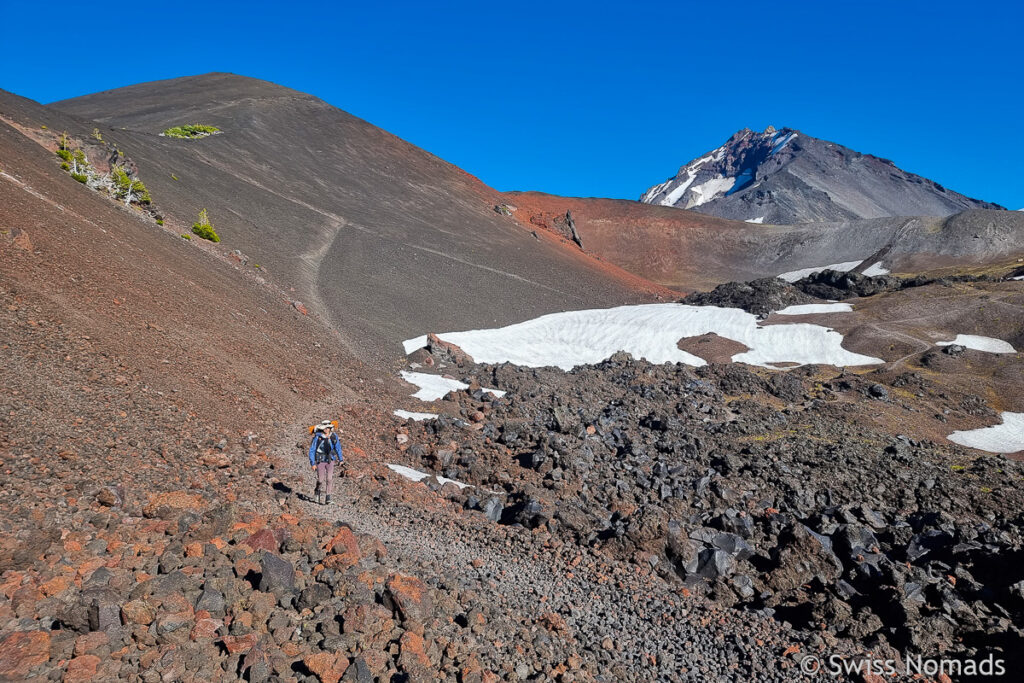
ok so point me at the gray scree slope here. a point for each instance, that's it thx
(387, 239)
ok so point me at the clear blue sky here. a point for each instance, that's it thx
(589, 99)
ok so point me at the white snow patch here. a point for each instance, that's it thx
(416, 475)
(1007, 437)
(794, 275)
(650, 331)
(672, 197)
(653, 192)
(1019, 277)
(418, 417)
(710, 189)
(806, 309)
(433, 387)
(754, 220)
(876, 268)
(979, 343)
(782, 144)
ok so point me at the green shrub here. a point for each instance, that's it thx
(80, 177)
(159, 221)
(124, 186)
(204, 228)
(65, 166)
(64, 154)
(194, 130)
(97, 135)
(186, 236)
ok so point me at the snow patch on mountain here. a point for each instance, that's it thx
(709, 190)
(433, 387)
(778, 147)
(806, 309)
(794, 275)
(1007, 437)
(980, 343)
(415, 475)
(758, 220)
(652, 332)
(418, 417)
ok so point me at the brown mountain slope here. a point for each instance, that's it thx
(155, 516)
(687, 250)
(384, 238)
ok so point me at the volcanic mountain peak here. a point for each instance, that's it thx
(722, 171)
(782, 176)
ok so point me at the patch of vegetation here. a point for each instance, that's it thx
(43, 127)
(80, 177)
(174, 177)
(159, 221)
(64, 154)
(127, 188)
(190, 131)
(65, 166)
(186, 236)
(97, 135)
(204, 228)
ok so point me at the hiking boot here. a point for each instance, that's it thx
(328, 500)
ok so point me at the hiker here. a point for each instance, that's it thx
(324, 451)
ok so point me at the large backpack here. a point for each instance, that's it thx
(324, 448)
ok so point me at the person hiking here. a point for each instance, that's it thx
(324, 451)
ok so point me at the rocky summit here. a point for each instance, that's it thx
(195, 272)
(783, 176)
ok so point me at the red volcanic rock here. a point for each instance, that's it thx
(237, 644)
(82, 668)
(411, 597)
(329, 667)
(264, 539)
(413, 659)
(22, 651)
(343, 549)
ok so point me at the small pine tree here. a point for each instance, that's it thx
(204, 228)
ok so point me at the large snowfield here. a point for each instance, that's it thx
(648, 331)
(1007, 437)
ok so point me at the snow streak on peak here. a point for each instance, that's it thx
(721, 172)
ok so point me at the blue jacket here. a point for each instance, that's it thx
(336, 453)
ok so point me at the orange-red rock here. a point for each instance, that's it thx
(82, 668)
(23, 650)
(328, 667)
